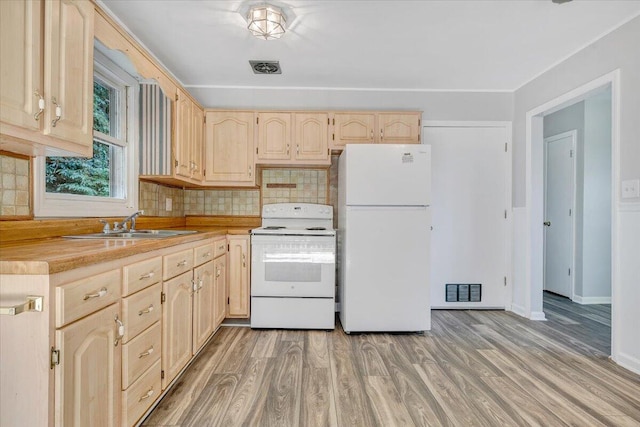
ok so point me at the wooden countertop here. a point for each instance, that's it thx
(55, 255)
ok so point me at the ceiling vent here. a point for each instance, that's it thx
(265, 67)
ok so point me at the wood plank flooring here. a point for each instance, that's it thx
(474, 368)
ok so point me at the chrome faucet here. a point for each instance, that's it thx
(122, 225)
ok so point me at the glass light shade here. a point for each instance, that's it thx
(266, 22)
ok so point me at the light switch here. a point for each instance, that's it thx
(631, 188)
(168, 204)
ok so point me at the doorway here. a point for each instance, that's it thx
(534, 259)
(559, 207)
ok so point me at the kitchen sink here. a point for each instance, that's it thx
(137, 234)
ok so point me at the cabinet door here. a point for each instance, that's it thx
(229, 148)
(68, 77)
(353, 128)
(274, 136)
(182, 136)
(176, 326)
(21, 62)
(203, 304)
(399, 128)
(196, 151)
(311, 136)
(220, 285)
(238, 289)
(88, 380)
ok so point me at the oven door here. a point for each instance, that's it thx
(300, 266)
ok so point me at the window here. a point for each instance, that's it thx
(106, 184)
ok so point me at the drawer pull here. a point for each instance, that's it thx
(208, 254)
(146, 353)
(146, 310)
(102, 292)
(149, 275)
(33, 303)
(120, 332)
(182, 263)
(221, 247)
(147, 395)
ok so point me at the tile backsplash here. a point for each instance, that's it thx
(152, 198)
(222, 202)
(294, 185)
(15, 186)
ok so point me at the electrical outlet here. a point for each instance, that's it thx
(631, 188)
(168, 204)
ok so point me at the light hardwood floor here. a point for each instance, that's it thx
(474, 368)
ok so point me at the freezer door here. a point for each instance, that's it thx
(384, 282)
(381, 175)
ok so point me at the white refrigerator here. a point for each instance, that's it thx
(384, 229)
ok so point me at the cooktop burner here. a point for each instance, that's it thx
(315, 228)
(275, 227)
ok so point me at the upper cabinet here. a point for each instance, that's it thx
(375, 127)
(46, 90)
(353, 128)
(189, 122)
(292, 138)
(228, 151)
(399, 128)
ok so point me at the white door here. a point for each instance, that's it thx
(559, 187)
(470, 198)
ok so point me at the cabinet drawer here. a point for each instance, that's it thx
(202, 254)
(140, 275)
(178, 263)
(140, 353)
(82, 297)
(141, 395)
(219, 247)
(141, 310)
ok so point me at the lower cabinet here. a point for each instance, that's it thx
(238, 289)
(177, 317)
(203, 305)
(112, 336)
(88, 379)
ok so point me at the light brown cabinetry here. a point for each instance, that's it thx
(176, 325)
(189, 122)
(88, 378)
(203, 299)
(292, 138)
(229, 141)
(142, 338)
(112, 336)
(47, 77)
(375, 128)
(238, 270)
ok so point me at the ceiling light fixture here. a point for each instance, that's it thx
(266, 21)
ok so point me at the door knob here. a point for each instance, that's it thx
(547, 223)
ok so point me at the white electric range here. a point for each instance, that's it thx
(293, 267)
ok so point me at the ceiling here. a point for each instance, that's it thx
(417, 45)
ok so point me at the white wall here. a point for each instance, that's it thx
(596, 207)
(616, 51)
(493, 106)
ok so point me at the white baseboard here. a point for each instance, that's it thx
(518, 309)
(591, 300)
(628, 362)
(538, 315)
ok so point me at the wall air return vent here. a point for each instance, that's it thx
(463, 292)
(266, 67)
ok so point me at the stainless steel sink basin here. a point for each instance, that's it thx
(137, 234)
